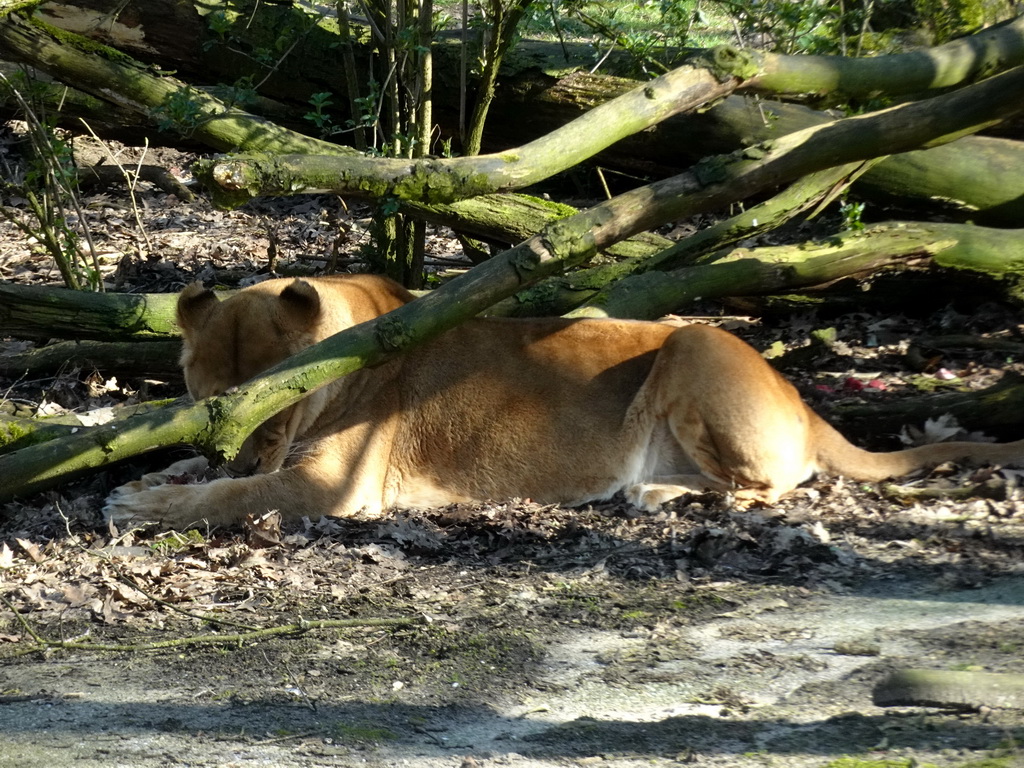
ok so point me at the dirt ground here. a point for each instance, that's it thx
(508, 634)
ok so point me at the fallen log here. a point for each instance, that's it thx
(31, 312)
(180, 36)
(113, 358)
(997, 410)
(19, 429)
(956, 690)
(564, 293)
(113, 76)
(104, 175)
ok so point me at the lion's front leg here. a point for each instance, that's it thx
(302, 491)
(223, 502)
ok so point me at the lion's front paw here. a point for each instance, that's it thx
(179, 473)
(159, 498)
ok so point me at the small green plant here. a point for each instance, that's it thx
(180, 112)
(47, 184)
(388, 205)
(173, 541)
(242, 91)
(219, 25)
(362, 733)
(317, 116)
(655, 33)
(852, 215)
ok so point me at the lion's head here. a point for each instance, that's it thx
(226, 343)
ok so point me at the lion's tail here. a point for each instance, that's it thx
(836, 455)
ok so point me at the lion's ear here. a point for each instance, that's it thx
(194, 305)
(300, 304)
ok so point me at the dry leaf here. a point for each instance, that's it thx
(6, 556)
(263, 531)
(76, 595)
(31, 549)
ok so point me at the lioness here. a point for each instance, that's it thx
(551, 409)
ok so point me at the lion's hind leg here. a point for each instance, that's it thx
(650, 496)
(738, 424)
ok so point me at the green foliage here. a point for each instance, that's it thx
(172, 542)
(181, 112)
(947, 19)
(789, 27)
(323, 121)
(852, 213)
(656, 33)
(367, 108)
(243, 91)
(219, 25)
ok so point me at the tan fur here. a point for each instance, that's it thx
(548, 409)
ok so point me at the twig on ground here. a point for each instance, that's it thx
(297, 628)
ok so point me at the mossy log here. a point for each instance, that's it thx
(955, 63)
(233, 180)
(507, 219)
(995, 255)
(33, 312)
(113, 76)
(926, 123)
(20, 430)
(17, 433)
(189, 38)
(978, 177)
(178, 35)
(564, 293)
(721, 181)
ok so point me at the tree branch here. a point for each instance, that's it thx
(955, 63)
(994, 253)
(232, 180)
